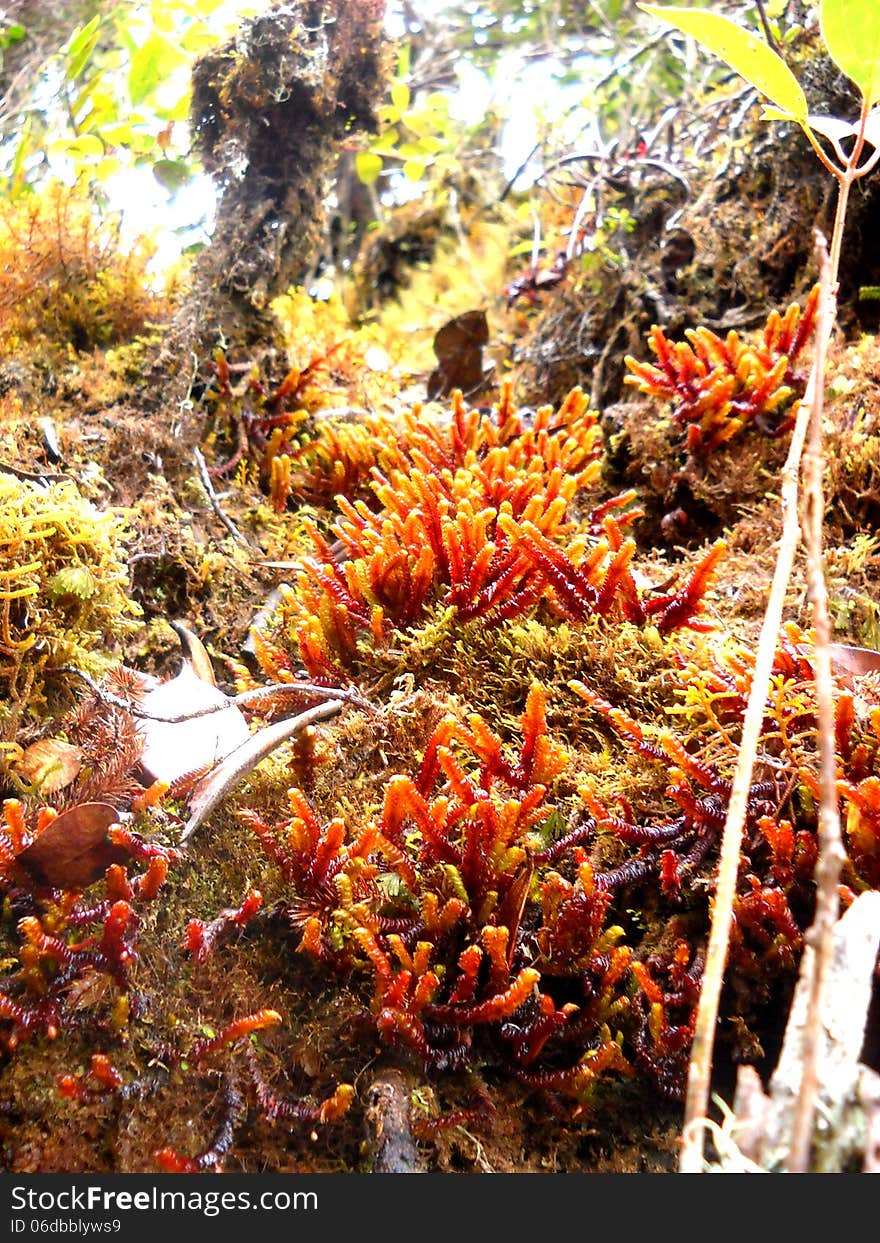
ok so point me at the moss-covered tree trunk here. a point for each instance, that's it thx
(270, 111)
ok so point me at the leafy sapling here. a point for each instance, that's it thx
(851, 32)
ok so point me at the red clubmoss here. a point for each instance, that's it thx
(266, 417)
(102, 1078)
(53, 954)
(775, 895)
(477, 515)
(201, 937)
(337, 460)
(716, 387)
(448, 898)
(233, 1112)
(211, 1160)
(666, 1008)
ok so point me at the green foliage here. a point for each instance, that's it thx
(10, 32)
(65, 283)
(417, 136)
(851, 30)
(118, 93)
(750, 56)
(62, 587)
(480, 30)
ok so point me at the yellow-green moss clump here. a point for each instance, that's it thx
(65, 279)
(62, 588)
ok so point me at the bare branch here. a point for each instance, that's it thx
(261, 693)
(213, 788)
(212, 497)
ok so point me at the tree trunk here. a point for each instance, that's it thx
(270, 109)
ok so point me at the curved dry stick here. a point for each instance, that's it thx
(213, 788)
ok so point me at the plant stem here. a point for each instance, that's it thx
(844, 184)
(696, 1103)
(214, 787)
(819, 950)
(827, 870)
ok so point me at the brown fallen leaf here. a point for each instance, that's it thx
(50, 764)
(858, 661)
(459, 349)
(74, 850)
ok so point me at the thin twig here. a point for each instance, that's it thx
(768, 33)
(700, 1069)
(275, 689)
(624, 62)
(641, 161)
(29, 476)
(522, 168)
(819, 949)
(202, 466)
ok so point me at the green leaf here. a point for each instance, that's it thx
(178, 111)
(429, 145)
(79, 101)
(141, 142)
(438, 102)
(750, 56)
(368, 166)
(72, 581)
(107, 168)
(22, 151)
(400, 96)
(80, 47)
(411, 151)
(82, 147)
(524, 248)
(172, 174)
(13, 33)
(386, 143)
(851, 30)
(198, 38)
(126, 38)
(152, 63)
(414, 169)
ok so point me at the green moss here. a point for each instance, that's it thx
(63, 587)
(65, 281)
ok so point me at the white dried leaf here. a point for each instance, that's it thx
(173, 749)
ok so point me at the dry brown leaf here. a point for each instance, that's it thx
(858, 661)
(74, 850)
(50, 764)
